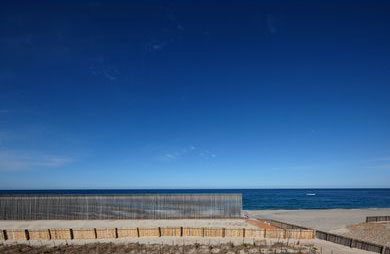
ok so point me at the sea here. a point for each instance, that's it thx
(262, 199)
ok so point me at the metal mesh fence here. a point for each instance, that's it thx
(135, 206)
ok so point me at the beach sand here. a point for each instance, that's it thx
(334, 220)
(329, 220)
(46, 224)
(347, 222)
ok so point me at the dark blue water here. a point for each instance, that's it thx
(257, 199)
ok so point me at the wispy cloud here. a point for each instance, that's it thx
(188, 151)
(381, 166)
(22, 160)
(207, 155)
(384, 158)
(178, 154)
(382, 162)
(104, 69)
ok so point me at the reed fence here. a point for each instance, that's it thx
(127, 232)
(350, 242)
(106, 233)
(284, 225)
(112, 233)
(60, 234)
(377, 218)
(135, 206)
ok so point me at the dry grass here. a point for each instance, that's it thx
(133, 248)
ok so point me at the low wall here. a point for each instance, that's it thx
(111, 233)
(377, 218)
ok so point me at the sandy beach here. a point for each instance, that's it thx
(347, 222)
(330, 220)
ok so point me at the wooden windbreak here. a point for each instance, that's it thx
(135, 206)
(113, 233)
(198, 232)
(377, 218)
(16, 235)
(106, 233)
(275, 233)
(254, 233)
(149, 232)
(171, 231)
(84, 233)
(234, 232)
(43, 234)
(127, 232)
(213, 232)
(350, 242)
(60, 234)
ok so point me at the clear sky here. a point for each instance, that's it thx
(125, 94)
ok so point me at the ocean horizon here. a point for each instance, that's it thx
(263, 199)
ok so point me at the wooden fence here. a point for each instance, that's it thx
(284, 225)
(338, 239)
(112, 233)
(134, 206)
(350, 242)
(377, 218)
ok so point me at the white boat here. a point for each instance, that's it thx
(310, 194)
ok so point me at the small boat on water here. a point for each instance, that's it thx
(310, 194)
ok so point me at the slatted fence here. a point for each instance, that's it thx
(135, 206)
(350, 242)
(112, 233)
(338, 239)
(284, 225)
(377, 218)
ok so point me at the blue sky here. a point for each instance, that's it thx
(99, 94)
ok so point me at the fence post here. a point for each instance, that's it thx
(27, 234)
(137, 232)
(71, 234)
(5, 234)
(116, 233)
(265, 233)
(50, 237)
(95, 231)
(159, 232)
(243, 232)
